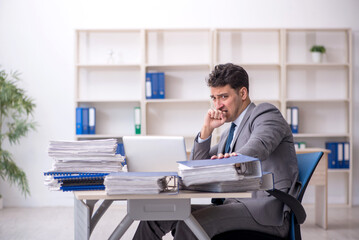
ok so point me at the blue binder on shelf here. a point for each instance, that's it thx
(92, 120)
(85, 121)
(333, 155)
(161, 85)
(155, 88)
(79, 120)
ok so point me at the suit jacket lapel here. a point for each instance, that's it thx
(244, 120)
(224, 137)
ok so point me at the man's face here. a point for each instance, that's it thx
(227, 100)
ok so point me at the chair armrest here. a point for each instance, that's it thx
(291, 202)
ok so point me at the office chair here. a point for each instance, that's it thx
(307, 162)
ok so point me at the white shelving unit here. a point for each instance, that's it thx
(322, 91)
(111, 66)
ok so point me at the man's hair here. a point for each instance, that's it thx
(228, 73)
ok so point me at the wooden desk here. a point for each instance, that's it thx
(320, 181)
(141, 207)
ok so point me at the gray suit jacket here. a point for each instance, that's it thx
(264, 134)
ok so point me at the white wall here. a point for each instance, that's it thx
(37, 38)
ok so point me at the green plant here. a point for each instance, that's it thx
(15, 111)
(318, 48)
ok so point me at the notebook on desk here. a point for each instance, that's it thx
(154, 153)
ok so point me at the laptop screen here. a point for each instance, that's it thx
(154, 153)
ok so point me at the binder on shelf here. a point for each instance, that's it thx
(333, 155)
(148, 86)
(85, 121)
(137, 120)
(294, 119)
(240, 169)
(161, 85)
(154, 78)
(92, 120)
(79, 120)
(340, 154)
(346, 160)
(289, 117)
(300, 145)
(141, 183)
(155, 85)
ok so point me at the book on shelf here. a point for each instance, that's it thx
(141, 183)
(300, 145)
(85, 120)
(293, 118)
(92, 120)
(237, 173)
(155, 85)
(137, 112)
(339, 156)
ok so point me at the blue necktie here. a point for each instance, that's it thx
(230, 138)
(219, 201)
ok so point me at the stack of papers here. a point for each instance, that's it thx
(82, 165)
(97, 156)
(141, 183)
(234, 174)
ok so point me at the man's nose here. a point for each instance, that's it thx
(219, 105)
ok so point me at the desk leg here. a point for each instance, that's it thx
(99, 213)
(82, 219)
(321, 206)
(196, 228)
(121, 228)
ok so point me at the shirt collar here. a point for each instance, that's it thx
(240, 117)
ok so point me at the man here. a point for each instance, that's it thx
(257, 131)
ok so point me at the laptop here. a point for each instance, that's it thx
(154, 153)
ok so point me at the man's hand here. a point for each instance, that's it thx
(213, 119)
(226, 155)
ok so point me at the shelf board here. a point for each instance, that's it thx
(265, 100)
(317, 65)
(177, 101)
(94, 136)
(319, 135)
(178, 66)
(262, 65)
(108, 101)
(338, 170)
(316, 100)
(110, 66)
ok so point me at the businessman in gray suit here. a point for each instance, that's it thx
(257, 131)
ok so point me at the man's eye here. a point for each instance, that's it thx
(223, 96)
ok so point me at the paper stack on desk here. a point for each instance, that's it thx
(141, 183)
(237, 173)
(82, 165)
(85, 156)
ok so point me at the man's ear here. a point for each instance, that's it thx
(243, 92)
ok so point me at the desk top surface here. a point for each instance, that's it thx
(96, 195)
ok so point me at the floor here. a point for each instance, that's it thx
(57, 224)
